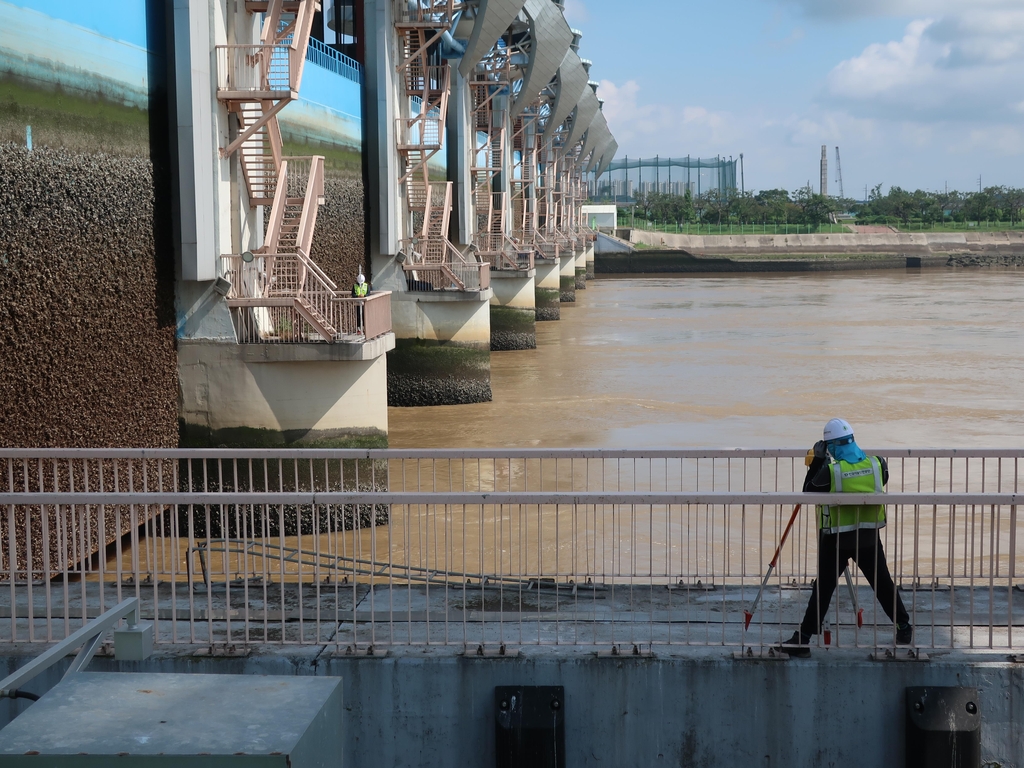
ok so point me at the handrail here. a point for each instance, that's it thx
(88, 637)
(498, 453)
(499, 498)
(324, 56)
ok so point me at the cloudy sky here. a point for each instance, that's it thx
(916, 93)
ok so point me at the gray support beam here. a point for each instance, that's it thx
(597, 137)
(460, 141)
(609, 155)
(551, 38)
(493, 17)
(380, 125)
(197, 144)
(572, 81)
(586, 111)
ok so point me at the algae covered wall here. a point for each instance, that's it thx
(548, 290)
(87, 323)
(442, 353)
(567, 278)
(513, 316)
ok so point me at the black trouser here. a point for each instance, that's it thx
(864, 548)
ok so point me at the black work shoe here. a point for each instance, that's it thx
(904, 634)
(797, 645)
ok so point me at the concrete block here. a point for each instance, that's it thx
(134, 643)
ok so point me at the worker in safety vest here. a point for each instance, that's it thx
(359, 290)
(847, 532)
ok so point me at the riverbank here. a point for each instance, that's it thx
(891, 243)
(801, 253)
(666, 262)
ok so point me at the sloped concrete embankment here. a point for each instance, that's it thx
(900, 243)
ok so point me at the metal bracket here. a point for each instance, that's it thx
(899, 654)
(353, 652)
(89, 638)
(619, 652)
(761, 654)
(224, 651)
(490, 652)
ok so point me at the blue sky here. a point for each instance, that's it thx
(119, 19)
(916, 93)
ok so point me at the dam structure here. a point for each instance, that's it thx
(260, 157)
(224, 545)
(634, 608)
(499, 91)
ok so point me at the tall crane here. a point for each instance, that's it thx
(839, 175)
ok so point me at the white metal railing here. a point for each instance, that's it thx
(254, 69)
(288, 299)
(358, 548)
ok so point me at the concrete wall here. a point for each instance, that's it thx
(513, 311)
(909, 243)
(86, 247)
(547, 289)
(431, 709)
(608, 244)
(442, 353)
(652, 261)
(239, 395)
(588, 258)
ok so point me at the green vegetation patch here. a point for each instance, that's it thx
(337, 157)
(567, 282)
(197, 436)
(546, 297)
(60, 119)
(441, 360)
(512, 319)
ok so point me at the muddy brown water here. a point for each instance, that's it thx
(918, 359)
(912, 358)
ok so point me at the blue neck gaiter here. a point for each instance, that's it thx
(849, 452)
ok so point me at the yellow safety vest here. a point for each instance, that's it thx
(359, 291)
(862, 477)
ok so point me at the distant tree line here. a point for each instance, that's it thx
(806, 207)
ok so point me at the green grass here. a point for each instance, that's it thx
(336, 158)
(961, 226)
(733, 229)
(60, 119)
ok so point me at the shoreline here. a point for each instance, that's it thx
(658, 261)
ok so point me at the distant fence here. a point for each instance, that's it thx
(492, 548)
(324, 56)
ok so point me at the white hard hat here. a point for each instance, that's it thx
(837, 428)
(360, 279)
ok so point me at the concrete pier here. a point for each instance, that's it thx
(581, 269)
(442, 353)
(567, 277)
(546, 291)
(513, 310)
(277, 395)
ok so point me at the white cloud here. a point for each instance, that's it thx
(833, 9)
(657, 127)
(576, 12)
(957, 68)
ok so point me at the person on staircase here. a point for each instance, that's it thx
(359, 290)
(847, 532)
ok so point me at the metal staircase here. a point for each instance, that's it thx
(431, 261)
(277, 292)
